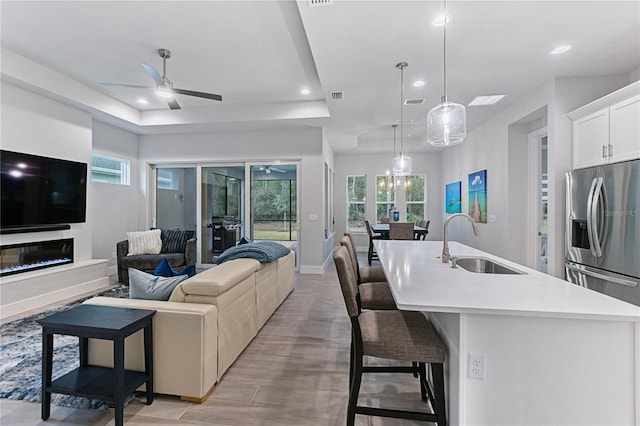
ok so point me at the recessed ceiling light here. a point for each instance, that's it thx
(143, 101)
(418, 83)
(305, 91)
(441, 20)
(561, 49)
(485, 100)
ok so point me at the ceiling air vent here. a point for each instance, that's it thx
(314, 3)
(337, 96)
(418, 101)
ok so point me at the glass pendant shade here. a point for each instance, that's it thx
(402, 165)
(446, 124)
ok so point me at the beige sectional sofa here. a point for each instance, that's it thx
(208, 321)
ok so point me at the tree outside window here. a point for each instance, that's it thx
(415, 196)
(356, 197)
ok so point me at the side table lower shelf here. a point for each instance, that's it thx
(96, 382)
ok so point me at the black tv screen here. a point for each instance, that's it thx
(41, 190)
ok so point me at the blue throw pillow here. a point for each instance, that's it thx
(164, 269)
(151, 287)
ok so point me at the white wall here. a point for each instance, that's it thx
(37, 125)
(115, 207)
(490, 146)
(286, 144)
(378, 164)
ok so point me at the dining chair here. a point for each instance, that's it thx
(425, 224)
(385, 219)
(373, 295)
(371, 255)
(401, 231)
(392, 334)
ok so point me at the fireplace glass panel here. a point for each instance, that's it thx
(25, 257)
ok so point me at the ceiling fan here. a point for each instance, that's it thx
(269, 169)
(164, 86)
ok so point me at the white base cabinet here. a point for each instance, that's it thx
(607, 130)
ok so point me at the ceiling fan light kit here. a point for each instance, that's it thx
(447, 121)
(401, 163)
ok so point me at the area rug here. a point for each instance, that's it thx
(21, 357)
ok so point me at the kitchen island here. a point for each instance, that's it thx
(554, 353)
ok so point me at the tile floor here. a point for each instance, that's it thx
(295, 372)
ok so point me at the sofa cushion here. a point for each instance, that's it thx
(151, 287)
(149, 262)
(144, 242)
(175, 240)
(216, 280)
(164, 269)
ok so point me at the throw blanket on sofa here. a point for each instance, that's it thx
(263, 251)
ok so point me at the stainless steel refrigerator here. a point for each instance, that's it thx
(603, 229)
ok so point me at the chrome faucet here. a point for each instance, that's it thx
(445, 244)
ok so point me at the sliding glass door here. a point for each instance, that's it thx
(175, 198)
(274, 202)
(225, 202)
(222, 209)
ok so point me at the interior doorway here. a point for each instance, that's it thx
(539, 199)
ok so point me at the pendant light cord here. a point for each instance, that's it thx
(444, 96)
(402, 65)
(394, 140)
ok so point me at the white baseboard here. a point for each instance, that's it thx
(309, 269)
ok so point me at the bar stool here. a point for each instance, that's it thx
(372, 295)
(398, 335)
(366, 274)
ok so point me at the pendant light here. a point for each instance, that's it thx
(401, 163)
(447, 121)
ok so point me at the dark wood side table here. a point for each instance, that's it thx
(107, 384)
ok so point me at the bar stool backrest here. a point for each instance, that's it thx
(347, 280)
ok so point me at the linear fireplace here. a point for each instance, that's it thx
(25, 257)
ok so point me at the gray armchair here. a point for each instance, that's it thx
(186, 256)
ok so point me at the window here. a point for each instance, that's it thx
(356, 197)
(108, 169)
(415, 195)
(385, 195)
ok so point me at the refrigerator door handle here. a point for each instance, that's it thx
(597, 232)
(615, 280)
(590, 228)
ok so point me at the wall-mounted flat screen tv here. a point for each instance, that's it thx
(40, 191)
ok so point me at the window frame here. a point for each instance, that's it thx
(422, 202)
(124, 174)
(380, 189)
(362, 202)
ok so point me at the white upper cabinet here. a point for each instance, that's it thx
(607, 130)
(624, 130)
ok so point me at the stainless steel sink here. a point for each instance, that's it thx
(482, 265)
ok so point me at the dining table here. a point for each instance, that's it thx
(383, 229)
(523, 347)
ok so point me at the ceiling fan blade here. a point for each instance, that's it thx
(126, 85)
(173, 104)
(198, 94)
(154, 74)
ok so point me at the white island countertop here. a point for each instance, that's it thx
(420, 281)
